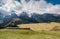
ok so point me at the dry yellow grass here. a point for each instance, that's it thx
(39, 26)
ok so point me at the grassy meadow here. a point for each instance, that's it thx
(38, 31)
(28, 34)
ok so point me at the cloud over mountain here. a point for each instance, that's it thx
(30, 6)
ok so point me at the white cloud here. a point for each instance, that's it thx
(31, 7)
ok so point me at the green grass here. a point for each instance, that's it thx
(27, 34)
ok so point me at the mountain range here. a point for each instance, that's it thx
(24, 18)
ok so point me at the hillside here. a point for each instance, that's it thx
(41, 26)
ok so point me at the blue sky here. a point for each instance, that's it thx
(54, 2)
